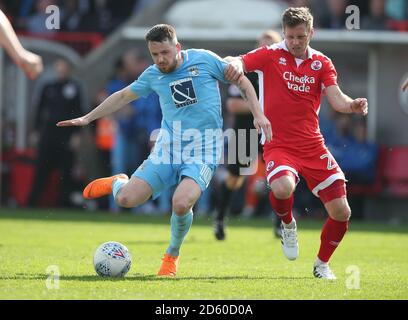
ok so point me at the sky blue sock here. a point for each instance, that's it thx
(117, 184)
(179, 229)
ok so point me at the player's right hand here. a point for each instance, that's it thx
(233, 71)
(78, 122)
(262, 122)
(31, 64)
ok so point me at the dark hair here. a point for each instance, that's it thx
(292, 17)
(160, 33)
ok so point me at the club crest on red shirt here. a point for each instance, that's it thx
(316, 65)
(270, 165)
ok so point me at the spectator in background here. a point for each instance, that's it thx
(36, 23)
(346, 140)
(396, 9)
(106, 15)
(361, 171)
(142, 4)
(73, 14)
(119, 13)
(60, 98)
(30, 63)
(135, 122)
(376, 19)
(335, 17)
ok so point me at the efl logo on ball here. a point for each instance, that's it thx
(112, 259)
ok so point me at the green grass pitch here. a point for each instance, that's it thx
(371, 263)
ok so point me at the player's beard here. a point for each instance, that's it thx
(169, 67)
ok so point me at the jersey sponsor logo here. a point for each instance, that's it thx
(316, 65)
(270, 165)
(299, 84)
(183, 93)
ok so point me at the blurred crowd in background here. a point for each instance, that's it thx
(122, 140)
(76, 15)
(105, 16)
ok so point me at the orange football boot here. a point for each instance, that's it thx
(101, 187)
(169, 266)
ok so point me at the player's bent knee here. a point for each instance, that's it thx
(127, 200)
(282, 193)
(123, 200)
(346, 214)
(282, 190)
(181, 206)
(342, 213)
(283, 184)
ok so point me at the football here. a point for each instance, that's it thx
(112, 259)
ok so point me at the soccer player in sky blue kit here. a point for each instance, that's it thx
(188, 147)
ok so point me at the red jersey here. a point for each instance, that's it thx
(290, 93)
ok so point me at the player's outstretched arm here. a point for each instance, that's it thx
(344, 104)
(249, 95)
(30, 63)
(405, 85)
(111, 104)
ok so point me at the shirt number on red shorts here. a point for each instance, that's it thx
(331, 164)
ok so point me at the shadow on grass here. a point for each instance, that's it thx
(128, 218)
(140, 277)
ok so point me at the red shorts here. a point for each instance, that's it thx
(317, 167)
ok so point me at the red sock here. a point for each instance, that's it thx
(282, 208)
(332, 233)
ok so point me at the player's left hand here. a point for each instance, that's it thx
(359, 106)
(261, 122)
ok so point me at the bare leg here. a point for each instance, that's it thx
(133, 193)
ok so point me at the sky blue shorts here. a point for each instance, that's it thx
(162, 176)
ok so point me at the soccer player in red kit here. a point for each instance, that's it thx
(292, 78)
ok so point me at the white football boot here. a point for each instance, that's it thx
(323, 271)
(289, 241)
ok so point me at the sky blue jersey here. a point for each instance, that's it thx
(191, 104)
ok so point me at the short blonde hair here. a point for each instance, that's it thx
(292, 17)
